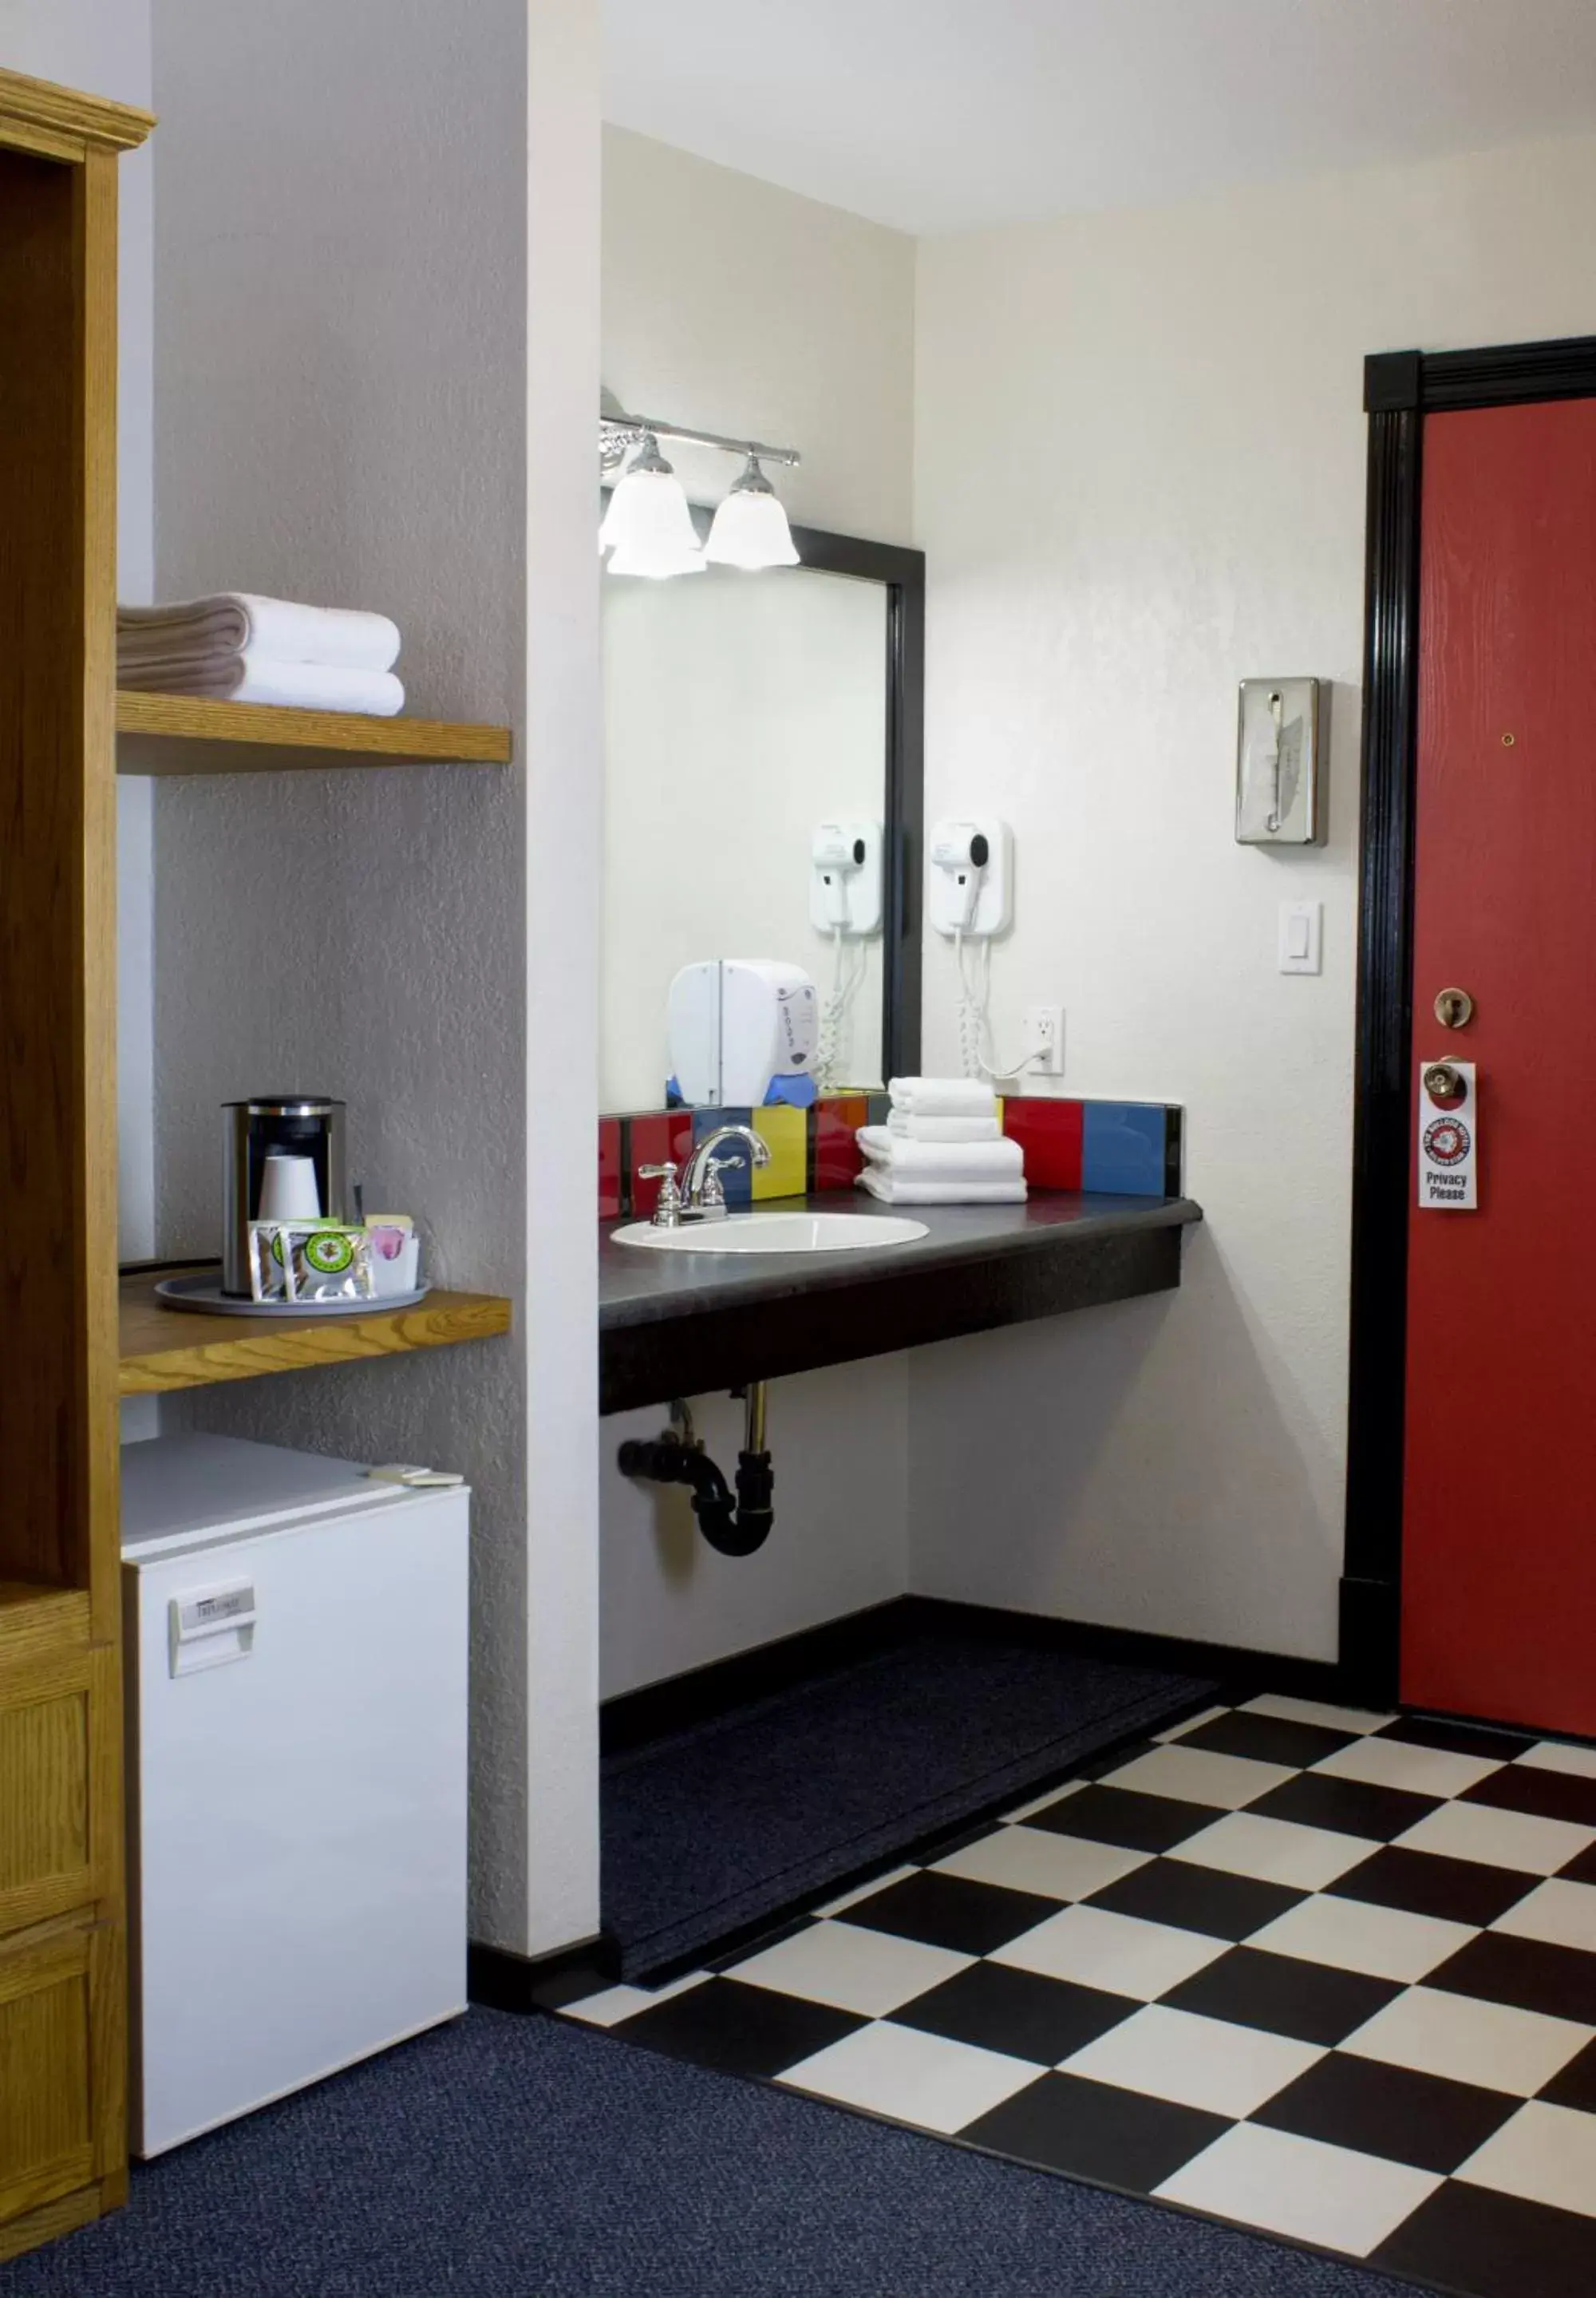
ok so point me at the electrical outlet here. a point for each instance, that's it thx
(1043, 1040)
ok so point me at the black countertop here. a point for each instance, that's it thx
(679, 1324)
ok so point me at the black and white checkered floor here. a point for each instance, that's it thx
(1325, 1973)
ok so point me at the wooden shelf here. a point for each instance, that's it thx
(164, 1349)
(180, 734)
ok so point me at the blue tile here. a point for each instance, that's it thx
(1122, 1148)
(736, 1180)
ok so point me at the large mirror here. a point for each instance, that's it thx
(759, 730)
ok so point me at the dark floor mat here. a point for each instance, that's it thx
(515, 2157)
(734, 1820)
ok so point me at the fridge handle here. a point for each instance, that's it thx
(211, 1627)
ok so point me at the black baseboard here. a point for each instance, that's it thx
(635, 1718)
(1371, 1639)
(632, 1719)
(502, 1981)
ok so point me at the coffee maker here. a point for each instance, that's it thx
(288, 1149)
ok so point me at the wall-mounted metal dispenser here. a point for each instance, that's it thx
(1278, 748)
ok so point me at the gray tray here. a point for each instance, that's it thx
(205, 1297)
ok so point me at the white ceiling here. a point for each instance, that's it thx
(934, 115)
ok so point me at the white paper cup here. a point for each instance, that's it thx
(288, 1188)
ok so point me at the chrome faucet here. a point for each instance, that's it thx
(699, 1195)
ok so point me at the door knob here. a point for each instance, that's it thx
(1442, 1082)
(1454, 1009)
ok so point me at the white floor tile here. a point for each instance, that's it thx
(864, 1891)
(1043, 1802)
(1564, 1913)
(1302, 2188)
(1317, 1711)
(1195, 2062)
(1030, 1859)
(1192, 1723)
(1395, 1764)
(1543, 2154)
(1275, 1850)
(1561, 1755)
(924, 2079)
(1490, 2043)
(1120, 1954)
(1385, 1942)
(852, 1968)
(617, 2003)
(1499, 1839)
(1197, 1775)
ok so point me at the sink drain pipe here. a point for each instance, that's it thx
(733, 1525)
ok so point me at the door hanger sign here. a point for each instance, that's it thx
(1448, 1138)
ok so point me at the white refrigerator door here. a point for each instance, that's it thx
(299, 1885)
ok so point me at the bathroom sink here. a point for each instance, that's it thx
(777, 1233)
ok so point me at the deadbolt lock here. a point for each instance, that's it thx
(1442, 1082)
(1454, 1009)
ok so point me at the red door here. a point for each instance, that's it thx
(1499, 1550)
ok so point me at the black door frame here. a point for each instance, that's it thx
(1400, 389)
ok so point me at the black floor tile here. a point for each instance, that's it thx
(1531, 1974)
(949, 1911)
(738, 2029)
(1094, 2130)
(1419, 2120)
(1575, 2085)
(1283, 1996)
(1017, 2012)
(1136, 1822)
(1116, 1759)
(1425, 1883)
(1347, 1806)
(1467, 2238)
(1581, 1869)
(1457, 1739)
(1198, 1898)
(1547, 1795)
(1268, 1738)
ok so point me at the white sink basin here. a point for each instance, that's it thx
(777, 1233)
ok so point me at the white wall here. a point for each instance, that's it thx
(739, 710)
(736, 307)
(1140, 468)
(377, 358)
(102, 47)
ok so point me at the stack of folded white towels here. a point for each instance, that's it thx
(942, 1144)
(236, 647)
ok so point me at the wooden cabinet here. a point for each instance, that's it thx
(62, 1930)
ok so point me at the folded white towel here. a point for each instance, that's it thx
(292, 685)
(941, 1161)
(907, 1127)
(894, 1189)
(942, 1096)
(241, 622)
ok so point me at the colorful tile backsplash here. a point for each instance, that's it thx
(1121, 1148)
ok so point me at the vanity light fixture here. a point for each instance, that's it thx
(648, 528)
(751, 528)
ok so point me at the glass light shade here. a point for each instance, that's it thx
(649, 518)
(751, 528)
(660, 564)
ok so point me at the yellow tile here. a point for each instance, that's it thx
(785, 1133)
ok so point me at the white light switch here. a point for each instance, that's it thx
(1302, 935)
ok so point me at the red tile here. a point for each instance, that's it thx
(662, 1134)
(1050, 1132)
(609, 1167)
(838, 1157)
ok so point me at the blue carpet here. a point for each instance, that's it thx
(517, 2158)
(732, 1822)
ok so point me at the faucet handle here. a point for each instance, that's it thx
(668, 1208)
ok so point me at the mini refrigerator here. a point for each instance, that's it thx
(296, 1657)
